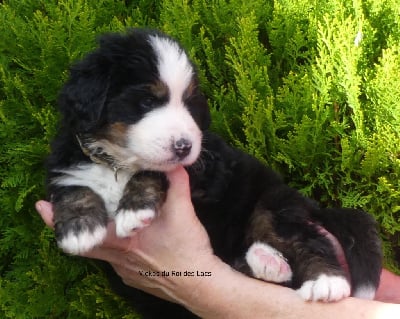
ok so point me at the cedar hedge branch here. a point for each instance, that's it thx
(310, 88)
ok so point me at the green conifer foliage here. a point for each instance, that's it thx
(311, 88)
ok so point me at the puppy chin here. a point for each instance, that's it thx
(170, 164)
(167, 167)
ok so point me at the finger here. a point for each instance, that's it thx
(178, 196)
(178, 208)
(45, 209)
(109, 255)
(179, 183)
(119, 251)
(114, 242)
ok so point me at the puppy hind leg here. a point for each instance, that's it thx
(358, 235)
(267, 263)
(316, 272)
(265, 256)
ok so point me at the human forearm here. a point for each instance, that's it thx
(229, 294)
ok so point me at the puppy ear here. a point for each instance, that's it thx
(83, 97)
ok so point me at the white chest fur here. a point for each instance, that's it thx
(101, 179)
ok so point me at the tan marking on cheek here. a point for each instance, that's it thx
(116, 133)
(109, 147)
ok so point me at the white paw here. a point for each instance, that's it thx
(83, 241)
(267, 263)
(129, 221)
(325, 288)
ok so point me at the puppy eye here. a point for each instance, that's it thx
(147, 102)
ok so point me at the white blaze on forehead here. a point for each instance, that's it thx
(174, 66)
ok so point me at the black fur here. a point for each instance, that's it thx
(237, 199)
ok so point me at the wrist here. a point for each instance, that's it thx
(206, 292)
(189, 285)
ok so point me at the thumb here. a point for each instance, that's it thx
(178, 197)
(179, 183)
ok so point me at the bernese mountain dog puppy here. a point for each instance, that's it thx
(132, 110)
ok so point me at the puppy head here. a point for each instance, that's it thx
(136, 101)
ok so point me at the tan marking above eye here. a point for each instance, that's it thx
(116, 133)
(159, 89)
(190, 89)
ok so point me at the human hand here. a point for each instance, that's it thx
(389, 288)
(174, 241)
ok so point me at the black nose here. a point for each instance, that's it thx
(182, 148)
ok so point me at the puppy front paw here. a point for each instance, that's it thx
(325, 288)
(267, 263)
(78, 236)
(129, 221)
